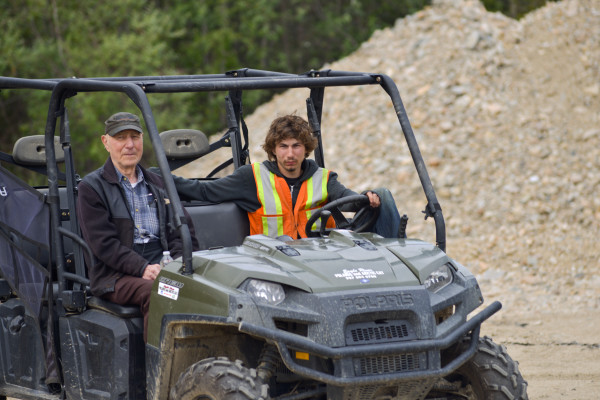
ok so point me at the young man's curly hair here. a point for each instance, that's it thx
(286, 127)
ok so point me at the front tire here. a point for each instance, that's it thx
(491, 374)
(219, 379)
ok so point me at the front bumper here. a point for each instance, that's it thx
(341, 356)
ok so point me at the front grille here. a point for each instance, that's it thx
(389, 364)
(366, 392)
(378, 332)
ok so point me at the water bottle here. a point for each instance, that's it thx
(166, 258)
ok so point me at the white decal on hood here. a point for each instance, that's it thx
(358, 273)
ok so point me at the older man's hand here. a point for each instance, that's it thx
(151, 271)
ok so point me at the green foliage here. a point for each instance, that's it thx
(72, 38)
(47, 39)
(513, 8)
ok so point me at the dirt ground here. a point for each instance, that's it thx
(558, 352)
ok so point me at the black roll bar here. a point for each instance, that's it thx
(433, 208)
(243, 79)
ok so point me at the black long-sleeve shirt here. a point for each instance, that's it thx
(240, 186)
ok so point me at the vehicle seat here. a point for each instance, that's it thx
(122, 311)
(218, 225)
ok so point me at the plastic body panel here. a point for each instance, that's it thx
(106, 356)
(22, 356)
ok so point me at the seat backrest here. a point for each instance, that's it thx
(31, 150)
(218, 225)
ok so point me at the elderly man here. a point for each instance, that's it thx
(123, 213)
(280, 193)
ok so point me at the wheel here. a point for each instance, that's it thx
(219, 379)
(363, 219)
(491, 374)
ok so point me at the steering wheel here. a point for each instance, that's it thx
(363, 219)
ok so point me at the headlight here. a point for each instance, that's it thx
(439, 278)
(268, 292)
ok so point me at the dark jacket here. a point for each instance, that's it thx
(107, 227)
(240, 186)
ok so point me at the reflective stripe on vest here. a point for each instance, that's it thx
(316, 191)
(270, 200)
(276, 215)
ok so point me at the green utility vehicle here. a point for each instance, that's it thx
(344, 314)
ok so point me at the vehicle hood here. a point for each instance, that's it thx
(342, 261)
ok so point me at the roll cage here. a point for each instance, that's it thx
(233, 82)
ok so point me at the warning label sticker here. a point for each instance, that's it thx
(169, 291)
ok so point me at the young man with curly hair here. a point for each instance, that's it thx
(280, 193)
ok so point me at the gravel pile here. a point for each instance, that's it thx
(507, 115)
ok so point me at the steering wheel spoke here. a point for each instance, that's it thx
(340, 219)
(365, 215)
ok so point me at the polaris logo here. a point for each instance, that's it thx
(378, 301)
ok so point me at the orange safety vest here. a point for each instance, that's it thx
(275, 216)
